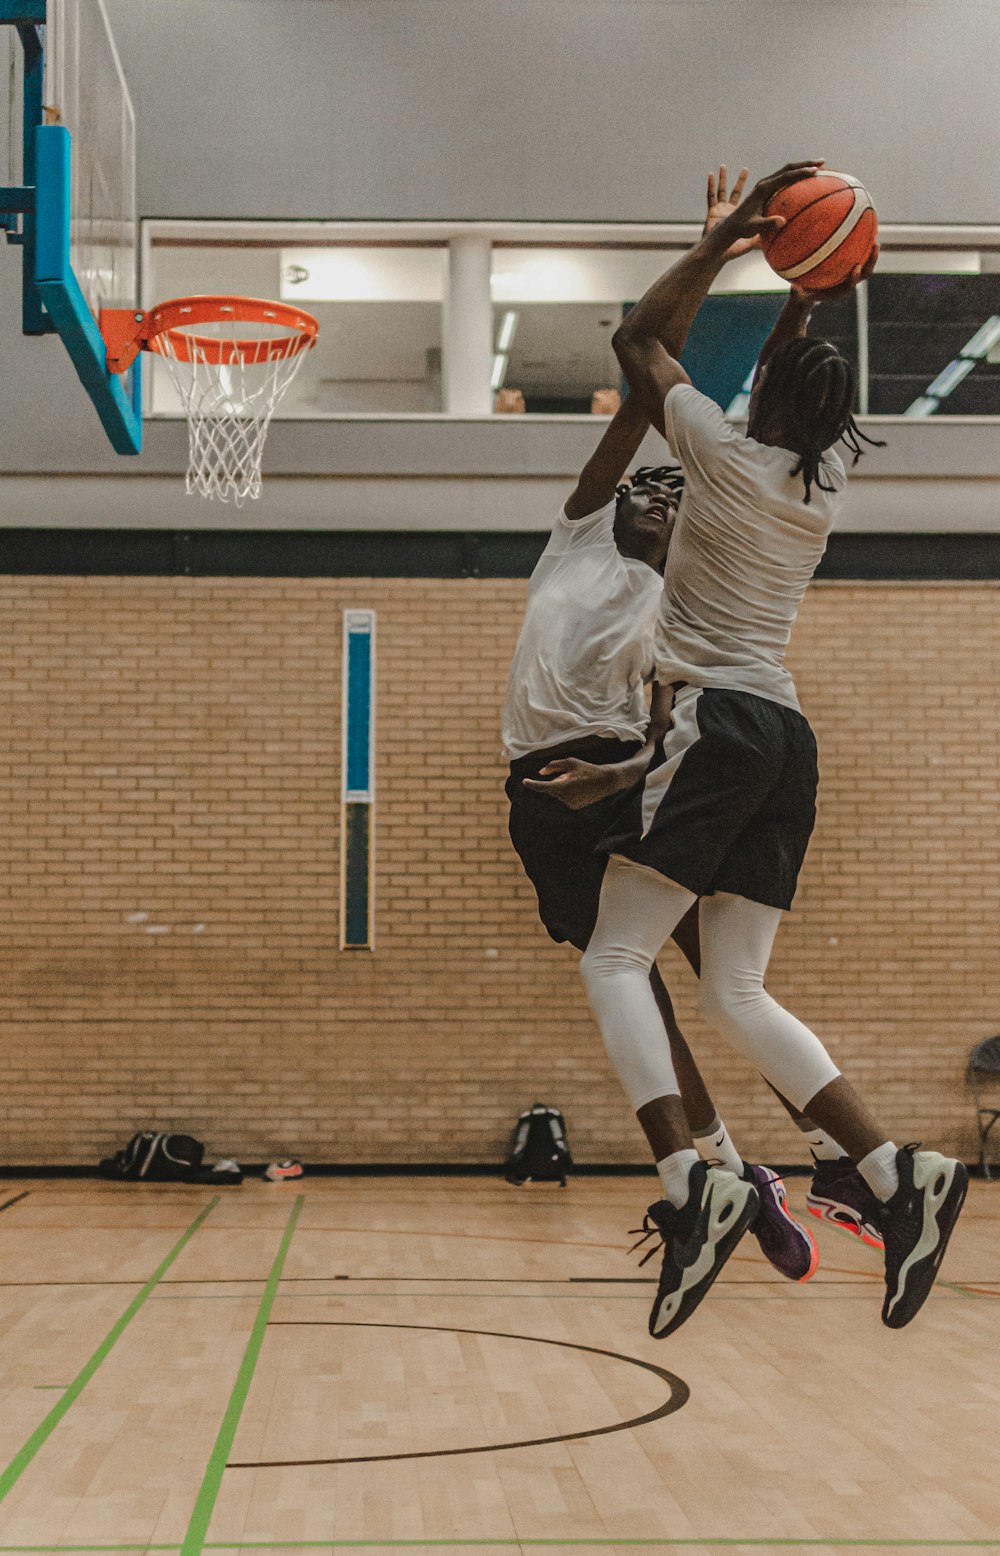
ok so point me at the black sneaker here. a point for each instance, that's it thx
(840, 1196)
(698, 1240)
(916, 1224)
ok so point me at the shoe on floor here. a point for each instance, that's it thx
(840, 1196)
(698, 1239)
(784, 1243)
(916, 1225)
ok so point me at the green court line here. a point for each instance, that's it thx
(19, 1463)
(194, 1540)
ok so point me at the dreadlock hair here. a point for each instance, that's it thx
(813, 387)
(670, 476)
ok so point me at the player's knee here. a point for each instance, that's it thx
(602, 965)
(727, 1000)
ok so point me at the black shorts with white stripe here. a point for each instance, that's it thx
(559, 847)
(729, 801)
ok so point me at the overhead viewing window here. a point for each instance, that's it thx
(554, 313)
(934, 334)
(472, 318)
(379, 311)
(378, 308)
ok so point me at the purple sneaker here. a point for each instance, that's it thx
(840, 1196)
(789, 1247)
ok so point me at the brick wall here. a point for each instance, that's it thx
(171, 750)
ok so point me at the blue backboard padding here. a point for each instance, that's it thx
(359, 704)
(725, 339)
(60, 291)
(23, 13)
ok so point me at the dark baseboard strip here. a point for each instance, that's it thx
(421, 1170)
(914, 558)
(424, 554)
(360, 1170)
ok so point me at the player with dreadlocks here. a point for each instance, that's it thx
(804, 389)
(576, 720)
(727, 803)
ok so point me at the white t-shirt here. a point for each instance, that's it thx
(586, 644)
(744, 548)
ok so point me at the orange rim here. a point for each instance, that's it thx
(172, 321)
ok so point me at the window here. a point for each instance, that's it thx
(923, 335)
(379, 312)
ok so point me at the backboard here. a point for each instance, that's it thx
(72, 129)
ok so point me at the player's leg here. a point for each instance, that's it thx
(763, 863)
(698, 1104)
(787, 1246)
(838, 1194)
(920, 1192)
(557, 847)
(705, 1209)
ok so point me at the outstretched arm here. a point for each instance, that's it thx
(610, 459)
(793, 320)
(578, 784)
(621, 441)
(791, 323)
(651, 339)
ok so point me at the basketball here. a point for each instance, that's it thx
(830, 227)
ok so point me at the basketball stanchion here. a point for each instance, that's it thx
(229, 376)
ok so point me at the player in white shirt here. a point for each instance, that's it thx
(576, 705)
(727, 805)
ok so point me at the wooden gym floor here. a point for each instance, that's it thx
(454, 1365)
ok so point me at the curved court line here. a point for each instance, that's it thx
(19, 1463)
(678, 1397)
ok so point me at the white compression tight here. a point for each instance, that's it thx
(639, 911)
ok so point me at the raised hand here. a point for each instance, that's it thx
(747, 220)
(721, 204)
(831, 293)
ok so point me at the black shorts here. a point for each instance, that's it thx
(729, 801)
(559, 847)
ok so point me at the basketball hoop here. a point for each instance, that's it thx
(229, 379)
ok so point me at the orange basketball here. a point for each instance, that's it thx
(830, 227)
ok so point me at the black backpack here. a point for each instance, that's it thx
(539, 1151)
(158, 1158)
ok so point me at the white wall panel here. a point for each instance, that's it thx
(587, 109)
(901, 506)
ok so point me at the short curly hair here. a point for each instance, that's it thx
(670, 476)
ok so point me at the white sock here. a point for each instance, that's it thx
(878, 1169)
(823, 1146)
(674, 1173)
(715, 1145)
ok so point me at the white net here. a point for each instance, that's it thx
(229, 391)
